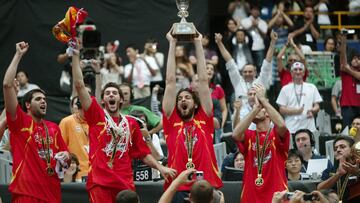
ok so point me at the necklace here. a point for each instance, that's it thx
(298, 96)
(46, 149)
(189, 141)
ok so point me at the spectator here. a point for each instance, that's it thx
(154, 121)
(201, 190)
(114, 141)
(71, 173)
(127, 196)
(257, 29)
(154, 58)
(241, 51)
(24, 86)
(335, 98)
(157, 92)
(350, 80)
(356, 128)
(284, 70)
(344, 176)
(210, 54)
(75, 132)
(304, 141)
(299, 101)
(280, 23)
(330, 45)
(239, 10)
(306, 30)
(34, 178)
(261, 166)
(188, 120)
(242, 83)
(138, 72)
(113, 70)
(231, 26)
(241, 110)
(234, 160)
(184, 69)
(293, 165)
(323, 8)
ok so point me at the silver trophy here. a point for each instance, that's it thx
(184, 31)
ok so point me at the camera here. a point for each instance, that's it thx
(198, 175)
(347, 32)
(308, 197)
(289, 195)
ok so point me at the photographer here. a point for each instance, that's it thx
(201, 190)
(300, 197)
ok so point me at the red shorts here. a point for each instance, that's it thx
(100, 194)
(17, 198)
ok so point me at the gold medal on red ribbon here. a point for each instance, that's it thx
(259, 181)
(190, 164)
(50, 171)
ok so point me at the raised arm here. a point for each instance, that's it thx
(280, 64)
(343, 59)
(224, 52)
(240, 128)
(271, 111)
(204, 90)
(270, 52)
(78, 80)
(273, 20)
(287, 19)
(169, 99)
(10, 96)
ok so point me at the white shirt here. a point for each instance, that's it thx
(154, 65)
(296, 96)
(26, 89)
(241, 60)
(258, 41)
(323, 19)
(240, 86)
(144, 72)
(107, 76)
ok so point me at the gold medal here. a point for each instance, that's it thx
(50, 171)
(259, 181)
(190, 164)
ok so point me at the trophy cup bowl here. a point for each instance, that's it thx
(355, 151)
(184, 31)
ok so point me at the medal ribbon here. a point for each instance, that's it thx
(188, 131)
(260, 154)
(46, 147)
(341, 187)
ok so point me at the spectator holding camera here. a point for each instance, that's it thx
(350, 78)
(139, 72)
(201, 190)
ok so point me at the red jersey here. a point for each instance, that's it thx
(349, 97)
(203, 151)
(217, 92)
(273, 171)
(29, 149)
(286, 78)
(120, 175)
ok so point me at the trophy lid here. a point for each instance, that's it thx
(182, 5)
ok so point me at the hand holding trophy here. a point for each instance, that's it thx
(184, 31)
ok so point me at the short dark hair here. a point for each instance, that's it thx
(348, 139)
(201, 192)
(127, 196)
(194, 96)
(295, 153)
(114, 85)
(133, 46)
(22, 71)
(28, 97)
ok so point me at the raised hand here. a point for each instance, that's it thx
(169, 35)
(21, 48)
(218, 38)
(274, 36)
